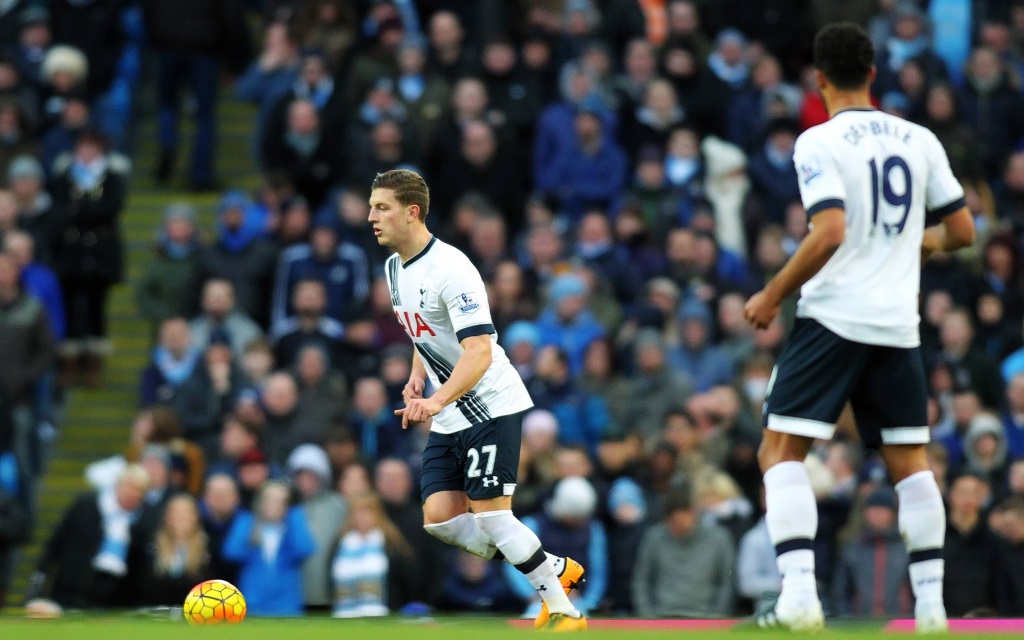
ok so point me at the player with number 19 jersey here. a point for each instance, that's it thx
(889, 175)
(440, 300)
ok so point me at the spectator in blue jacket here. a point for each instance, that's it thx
(341, 266)
(583, 417)
(705, 363)
(271, 545)
(478, 585)
(1013, 416)
(591, 172)
(772, 173)
(555, 135)
(38, 280)
(566, 323)
(567, 528)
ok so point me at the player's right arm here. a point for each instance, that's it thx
(417, 379)
(824, 198)
(944, 199)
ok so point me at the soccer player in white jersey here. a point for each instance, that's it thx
(880, 197)
(472, 455)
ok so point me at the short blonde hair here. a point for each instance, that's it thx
(135, 474)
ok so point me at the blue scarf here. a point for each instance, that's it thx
(318, 95)
(412, 87)
(175, 371)
(113, 554)
(176, 250)
(88, 176)
(902, 50)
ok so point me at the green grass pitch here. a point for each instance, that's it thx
(448, 628)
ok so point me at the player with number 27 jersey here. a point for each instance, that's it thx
(889, 175)
(440, 300)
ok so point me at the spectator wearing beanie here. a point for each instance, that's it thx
(628, 510)
(310, 473)
(164, 289)
(36, 215)
(566, 322)
(871, 579)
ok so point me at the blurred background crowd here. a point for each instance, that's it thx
(621, 173)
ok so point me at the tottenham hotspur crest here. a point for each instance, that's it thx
(423, 297)
(468, 303)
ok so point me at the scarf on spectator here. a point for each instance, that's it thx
(87, 176)
(174, 370)
(177, 250)
(271, 535)
(318, 95)
(733, 75)
(411, 87)
(902, 50)
(360, 573)
(113, 554)
(304, 144)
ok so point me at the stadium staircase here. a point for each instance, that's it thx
(97, 423)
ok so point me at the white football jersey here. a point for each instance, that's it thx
(888, 175)
(439, 298)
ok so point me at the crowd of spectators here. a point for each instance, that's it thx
(621, 173)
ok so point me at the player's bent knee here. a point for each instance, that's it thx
(441, 507)
(501, 503)
(904, 460)
(777, 447)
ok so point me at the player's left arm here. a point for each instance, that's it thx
(823, 195)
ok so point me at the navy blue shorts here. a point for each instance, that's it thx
(482, 461)
(819, 371)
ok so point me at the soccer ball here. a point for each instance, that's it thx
(214, 602)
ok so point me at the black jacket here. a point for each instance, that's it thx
(90, 248)
(149, 587)
(1010, 589)
(313, 175)
(202, 409)
(210, 27)
(250, 271)
(972, 569)
(217, 532)
(68, 558)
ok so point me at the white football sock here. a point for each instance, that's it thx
(462, 531)
(922, 521)
(557, 563)
(522, 548)
(792, 519)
